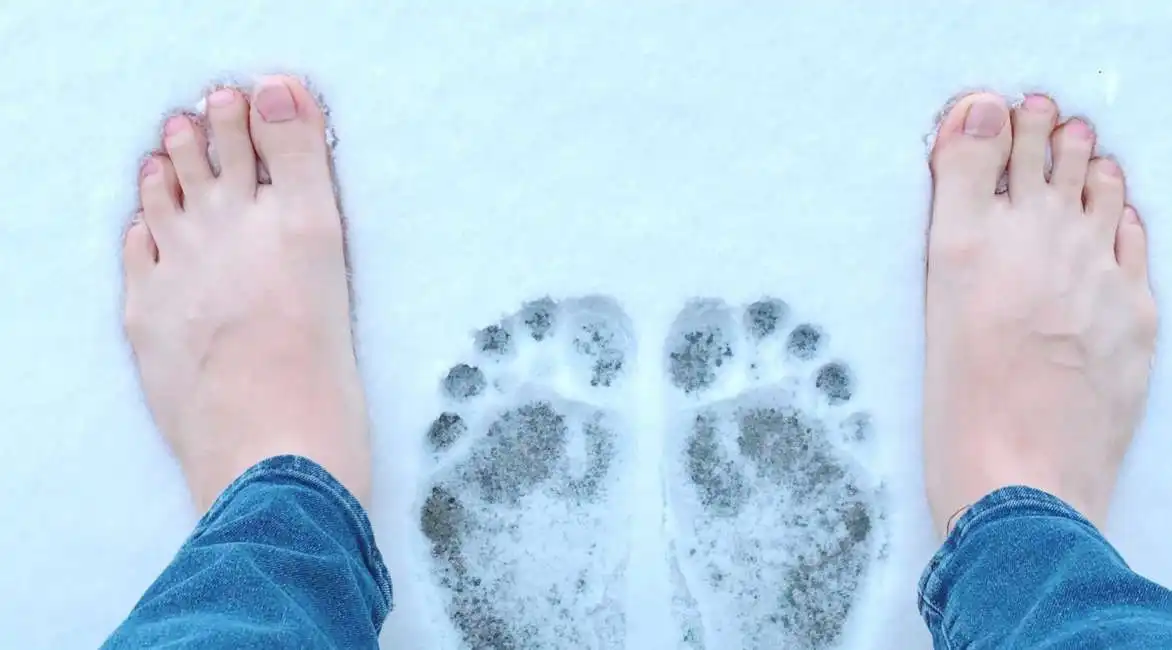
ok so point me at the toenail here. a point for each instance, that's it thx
(1037, 104)
(149, 166)
(274, 102)
(1131, 216)
(222, 97)
(986, 118)
(1080, 129)
(174, 125)
(1110, 167)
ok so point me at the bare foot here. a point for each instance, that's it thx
(1040, 323)
(237, 304)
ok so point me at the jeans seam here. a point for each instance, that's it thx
(1049, 511)
(930, 577)
(938, 619)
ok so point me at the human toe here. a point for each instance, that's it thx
(160, 195)
(139, 252)
(1033, 121)
(1104, 195)
(186, 145)
(1131, 245)
(288, 131)
(1071, 145)
(227, 111)
(971, 150)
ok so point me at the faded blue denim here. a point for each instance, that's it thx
(1023, 569)
(285, 558)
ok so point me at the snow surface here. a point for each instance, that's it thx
(490, 154)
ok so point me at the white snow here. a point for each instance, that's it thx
(490, 154)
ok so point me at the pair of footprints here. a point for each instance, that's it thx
(772, 506)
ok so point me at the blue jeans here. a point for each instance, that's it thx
(286, 558)
(1023, 569)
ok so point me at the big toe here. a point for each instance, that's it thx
(970, 155)
(288, 130)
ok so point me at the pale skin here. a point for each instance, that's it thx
(1040, 324)
(237, 304)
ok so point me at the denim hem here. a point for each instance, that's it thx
(313, 475)
(1012, 501)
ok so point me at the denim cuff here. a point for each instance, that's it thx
(1006, 503)
(308, 474)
